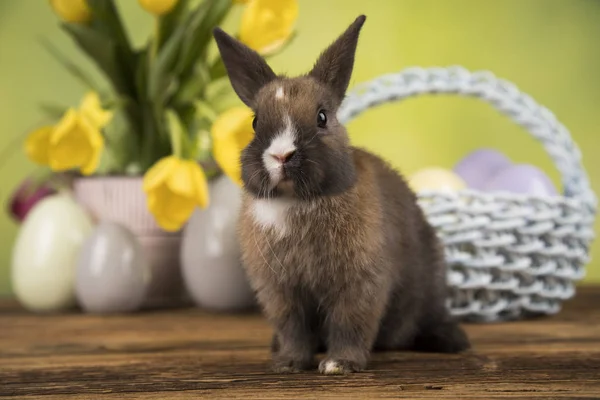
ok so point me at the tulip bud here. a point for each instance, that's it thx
(76, 11)
(267, 25)
(158, 7)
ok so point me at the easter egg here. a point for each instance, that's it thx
(478, 167)
(112, 273)
(26, 197)
(435, 178)
(523, 179)
(210, 253)
(45, 253)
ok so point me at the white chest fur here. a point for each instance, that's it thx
(272, 214)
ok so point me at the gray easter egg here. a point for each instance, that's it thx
(112, 273)
(210, 253)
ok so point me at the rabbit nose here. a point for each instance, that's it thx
(283, 158)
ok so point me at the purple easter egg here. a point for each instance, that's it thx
(477, 168)
(27, 195)
(522, 179)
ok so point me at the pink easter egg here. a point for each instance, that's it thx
(479, 166)
(523, 179)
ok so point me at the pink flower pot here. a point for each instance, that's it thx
(121, 199)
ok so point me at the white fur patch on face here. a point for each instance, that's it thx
(281, 145)
(272, 214)
(279, 93)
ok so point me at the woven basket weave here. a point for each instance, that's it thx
(510, 256)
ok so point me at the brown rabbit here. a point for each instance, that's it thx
(333, 241)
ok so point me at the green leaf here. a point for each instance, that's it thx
(181, 52)
(202, 145)
(121, 146)
(221, 96)
(187, 114)
(209, 15)
(194, 20)
(75, 70)
(141, 74)
(206, 110)
(148, 127)
(155, 143)
(162, 68)
(103, 52)
(217, 69)
(170, 21)
(113, 102)
(194, 86)
(180, 141)
(200, 130)
(161, 71)
(107, 21)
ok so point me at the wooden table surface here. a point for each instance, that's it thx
(187, 353)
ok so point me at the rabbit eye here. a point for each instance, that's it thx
(254, 123)
(321, 119)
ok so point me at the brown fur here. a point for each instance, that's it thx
(358, 267)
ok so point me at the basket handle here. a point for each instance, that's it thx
(502, 95)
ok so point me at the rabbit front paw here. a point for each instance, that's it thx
(283, 365)
(331, 366)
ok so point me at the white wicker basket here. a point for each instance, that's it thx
(509, 256)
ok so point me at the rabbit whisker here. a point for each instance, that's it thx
(262, 255)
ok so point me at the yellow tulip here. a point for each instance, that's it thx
(37, 144)
(240, 1)
(174, 188)
(75, 143)
(91, 108)
(231, 132)
(267, 24)
(158, 7)
(76, 11)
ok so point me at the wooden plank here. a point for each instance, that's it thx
(188, 353)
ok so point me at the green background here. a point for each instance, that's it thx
(548, 48)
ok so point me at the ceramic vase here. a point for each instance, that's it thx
(121, 199)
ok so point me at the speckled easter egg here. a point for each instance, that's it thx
(210, 253)
(479, 166)
(523, 179)
(45, 253)
(435, 178)
(112, 272)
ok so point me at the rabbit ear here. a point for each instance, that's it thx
(247, 70)
(335, 64)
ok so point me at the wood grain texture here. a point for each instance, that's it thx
(188, 353)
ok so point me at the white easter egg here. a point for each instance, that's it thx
(210, 253)
(45, 253)
(113, 273)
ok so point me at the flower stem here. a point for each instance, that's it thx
(176, 143)
(175, 133)
(156, 40)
